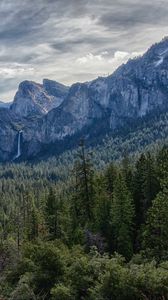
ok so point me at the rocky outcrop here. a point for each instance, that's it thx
(38, 99)
(134, 90)
(9, 125)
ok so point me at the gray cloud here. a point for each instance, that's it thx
(49, 38)
(130, 15)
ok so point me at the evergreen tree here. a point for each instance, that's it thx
(162, 164)
(84, 187)
(103, 205)
(33, 219)
(150, 184)
(145, 189)
(52, 212)
(122, 215)
(156, 230)
(109, 179)
(127, 172)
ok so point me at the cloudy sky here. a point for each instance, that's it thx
(73, 40)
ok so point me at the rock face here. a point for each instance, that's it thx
(38, 99)
(134, 90)
(9, 124)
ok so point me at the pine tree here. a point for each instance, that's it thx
(83, 197)
(52, 214)
(151, 184)
(138, 193)
(103, 206)
(145, 189)
(109, 179)
(33, 219)
(162, 164)
(155, 235)
(127, 172)
(122, 215)
(104, 186)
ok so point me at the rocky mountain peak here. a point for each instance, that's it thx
(55, 88)
(135, 90)
(38, 99)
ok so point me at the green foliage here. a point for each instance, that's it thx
(48, 262)
(122, 215)
(22, 292)
(133, 282)
(61, 292)
(156, 229)
(52, 212)
(83, 200)
(75, 237)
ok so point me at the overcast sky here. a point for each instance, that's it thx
(73, 40)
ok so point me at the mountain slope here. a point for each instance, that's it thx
(133, 91)
(5, 104)
(136, 90)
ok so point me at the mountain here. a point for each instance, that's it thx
(9, 125)
(5, 104)
(38, 99)
(54, 115)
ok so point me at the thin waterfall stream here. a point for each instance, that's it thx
(18, 145)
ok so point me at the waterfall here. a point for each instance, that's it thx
(18, 145)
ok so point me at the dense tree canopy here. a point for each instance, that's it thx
(81, 232)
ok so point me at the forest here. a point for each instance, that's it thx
(77, 227)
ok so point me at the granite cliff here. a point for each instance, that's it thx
(51, 112)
